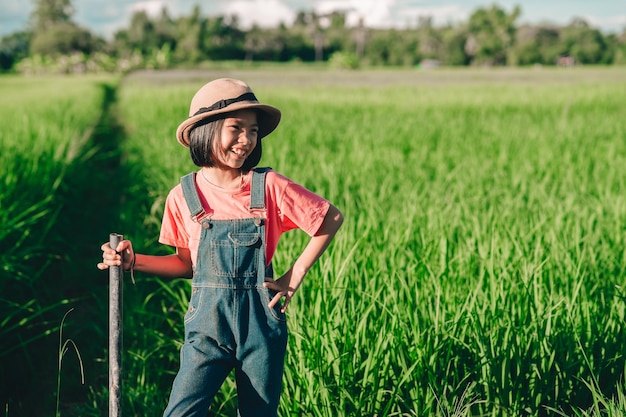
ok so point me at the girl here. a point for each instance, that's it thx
(225, 221)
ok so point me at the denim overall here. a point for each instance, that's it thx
(229, 325)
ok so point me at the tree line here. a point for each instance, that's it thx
(491, 36)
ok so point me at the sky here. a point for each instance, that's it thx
(104, 17)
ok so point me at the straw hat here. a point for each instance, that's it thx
(226, 95)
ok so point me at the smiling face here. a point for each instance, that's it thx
(237, 139)
(226, 143)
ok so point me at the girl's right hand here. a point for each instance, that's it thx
(122, 255)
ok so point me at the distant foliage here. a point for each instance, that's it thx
(490, 37)
(342, 60)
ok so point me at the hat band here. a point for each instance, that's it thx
(225, 103)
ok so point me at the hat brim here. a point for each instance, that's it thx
(268, 120)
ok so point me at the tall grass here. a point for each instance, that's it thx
(488, 227)
(46, 124)
(480, 269)
(481, 265)
(43, 128)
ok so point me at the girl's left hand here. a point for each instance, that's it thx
(283, 289)
(287, 285)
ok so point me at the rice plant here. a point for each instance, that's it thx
(480, 269)
(482, 247)
(46, 130)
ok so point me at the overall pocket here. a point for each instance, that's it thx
(236, 257)
(195, 302)
(274, 312)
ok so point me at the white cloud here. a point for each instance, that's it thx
(111, 11)
(151, 7)
(102, 16)
(373, 12)
(615, 23)
(263, 13)
(390, 13)
(440, 14)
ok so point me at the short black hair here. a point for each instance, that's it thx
(202, 140)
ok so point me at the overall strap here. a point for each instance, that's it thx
(257, 189)
(257, 192)
(257, 203)
(188, 183)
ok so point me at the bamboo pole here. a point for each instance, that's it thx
(116, 275)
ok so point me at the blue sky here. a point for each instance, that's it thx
(106, 16)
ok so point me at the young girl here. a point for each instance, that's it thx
(225, 222)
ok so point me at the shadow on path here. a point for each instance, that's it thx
(95, 192)
(91, 198)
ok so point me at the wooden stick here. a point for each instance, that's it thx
(116, 275)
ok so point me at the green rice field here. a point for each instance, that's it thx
(480, 270)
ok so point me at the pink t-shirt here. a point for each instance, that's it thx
(289, 206)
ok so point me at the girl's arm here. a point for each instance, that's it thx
(288, 284)
(177, 265)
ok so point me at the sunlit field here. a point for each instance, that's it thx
(480, 270)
